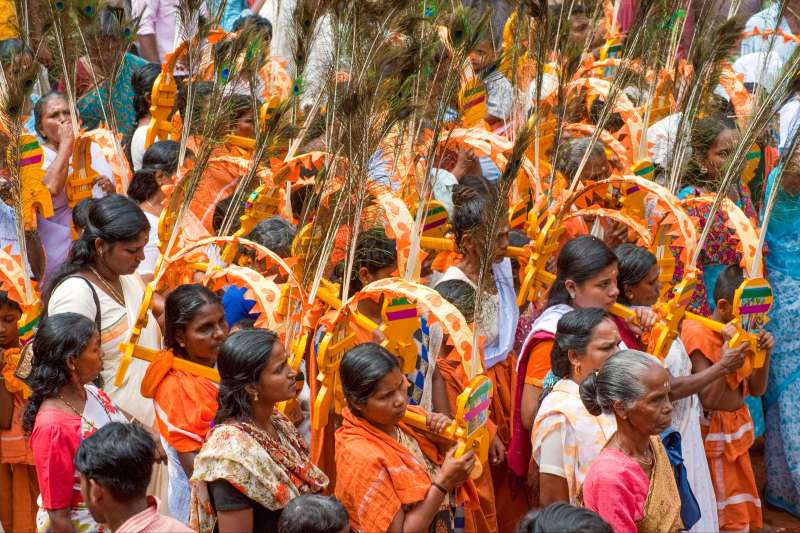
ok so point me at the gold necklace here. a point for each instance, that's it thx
(111, 290)
(60, 397)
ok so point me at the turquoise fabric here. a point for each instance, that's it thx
(89, 105)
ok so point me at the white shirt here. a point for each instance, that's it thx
(789, 120)
(760, 67)
(148, 265)
(159, 18)
(768, 20)
(137, 147)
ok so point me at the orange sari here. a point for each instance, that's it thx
(185, 404)
(455, 380)
(377, 476)
(18, 484)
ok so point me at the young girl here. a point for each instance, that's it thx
(18, 486)
(185, 403)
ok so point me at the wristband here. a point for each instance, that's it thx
(441, 488)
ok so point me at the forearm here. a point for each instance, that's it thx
(530, 405)
(60, 521)
(148, 49)
(441, 403)
(421, 516)
(683, 386)
(758, 380)
(6, 406)
(187, 462)
(56, 175)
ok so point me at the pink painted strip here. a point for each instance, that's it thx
(752, 309)
(30, 160)
(475, 411)
(399, 315)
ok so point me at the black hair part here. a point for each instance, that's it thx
(142, 81)
(634, 262)
(461, 294)
(222, 207)
(161, 155)
(471, 209)
(374, 251)
(119, 457)
(571, 154)
(574, 332)
(562, 518)
(11, 48)
(580, 260)
(242, 357)
(313, 513)
(259, 22)
(182, 306)
(276, 234)
(113, 219)
(39, 110)
(60, 338)
(80, 213)
(5, 301)
(362, 368)
(727, 283)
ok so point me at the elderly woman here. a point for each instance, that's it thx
(254, 461)
(566, 438)
(54, 126)
(631, 484)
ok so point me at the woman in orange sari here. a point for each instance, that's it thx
(389, 476)
(185, 403)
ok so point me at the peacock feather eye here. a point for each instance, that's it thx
(88, 10)
(127, 32)
(298, 86)
(59, 5)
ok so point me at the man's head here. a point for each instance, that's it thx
(115, 464)
(725, 291)
(312, 513)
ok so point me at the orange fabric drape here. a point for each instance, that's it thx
(185, 404)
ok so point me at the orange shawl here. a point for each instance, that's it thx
(185, 404)
(14, 447)
(376, 475)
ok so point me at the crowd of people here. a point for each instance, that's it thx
(373, 266)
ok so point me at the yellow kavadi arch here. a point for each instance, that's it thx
(404, 304)
(279, 307)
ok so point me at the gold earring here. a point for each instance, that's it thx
(255, 397)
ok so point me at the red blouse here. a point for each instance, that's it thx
(54, 441)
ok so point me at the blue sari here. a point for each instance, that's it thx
(89, 105)
(783, 387)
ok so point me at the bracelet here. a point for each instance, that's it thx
(441, 488)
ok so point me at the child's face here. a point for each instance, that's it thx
(482, 55)
(9, 328)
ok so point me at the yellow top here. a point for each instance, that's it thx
(8, 20)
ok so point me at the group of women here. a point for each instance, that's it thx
(579, 413)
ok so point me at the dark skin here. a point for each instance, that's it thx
(603, 344)
(646, 293)
(200, 340)
(384, 409)
(649, 415)
(9, 339)
(115, 260)
(105, 508)
(718, 396)
(83, 370)
(276, 383)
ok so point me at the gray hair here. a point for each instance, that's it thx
(570, 154)
(618, 380)
(276, 234)
(313, 513)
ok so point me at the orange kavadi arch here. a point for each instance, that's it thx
(279, 308)
(418, 298)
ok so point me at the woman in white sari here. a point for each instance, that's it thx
(99, 281)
